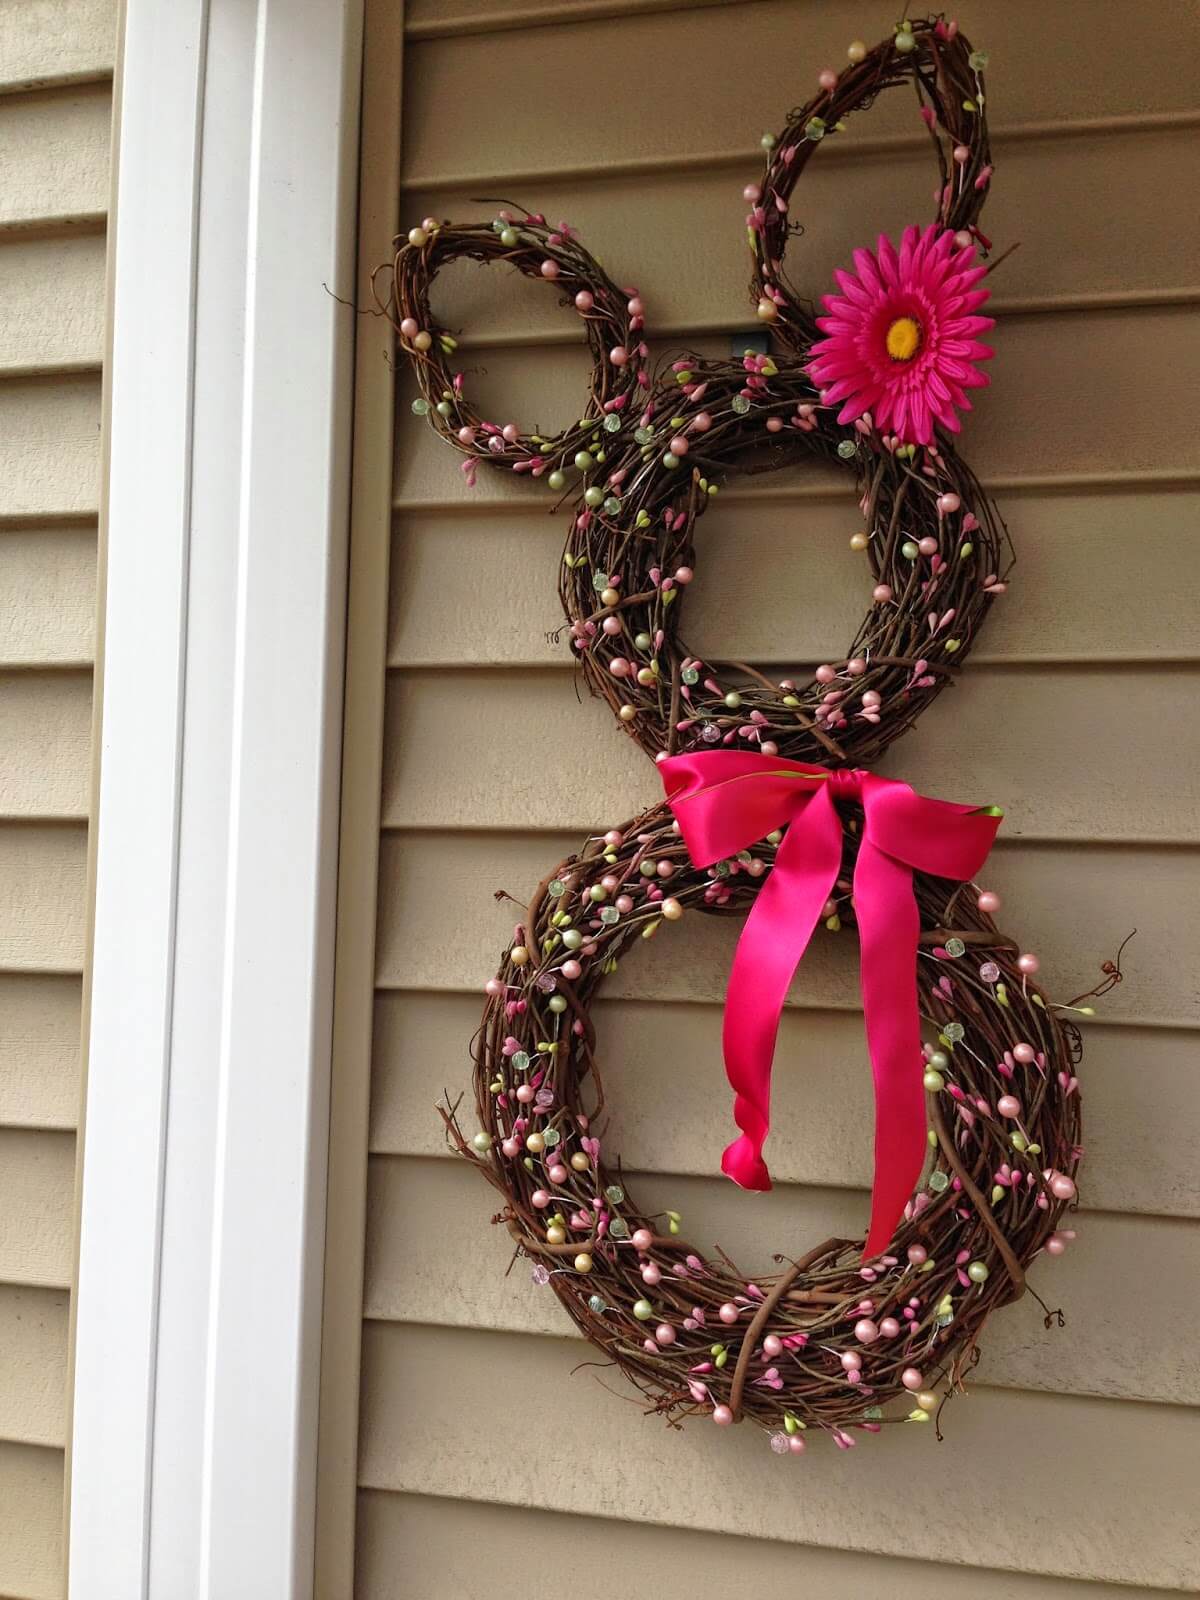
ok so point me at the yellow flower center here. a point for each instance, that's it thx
(903, 338)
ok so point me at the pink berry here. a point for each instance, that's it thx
(550, 269)
(722, 1416)
(618, 355)
(988, 902)
(773, 1345)
(1028, 964)
(918, 1255)
(1062, 1187)
(665, 1333)
(866, 1331)
(912, 1379)
(1008, 1105)
(1024, 1053)
(584, 300)
(540, 1198)
(728, 1312)
(642, 1239)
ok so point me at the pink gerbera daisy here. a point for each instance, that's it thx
(901, 335)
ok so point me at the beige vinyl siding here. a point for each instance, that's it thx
(56, 62)
(1068, 1470)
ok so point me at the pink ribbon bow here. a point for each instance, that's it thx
(727, 800)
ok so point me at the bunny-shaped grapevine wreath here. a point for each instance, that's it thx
(770, 812)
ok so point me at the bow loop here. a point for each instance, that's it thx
(726, 800)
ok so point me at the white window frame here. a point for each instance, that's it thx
(228, 405)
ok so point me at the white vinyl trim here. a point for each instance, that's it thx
(203, 1192)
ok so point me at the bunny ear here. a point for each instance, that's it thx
(612, 316)
(948, 75)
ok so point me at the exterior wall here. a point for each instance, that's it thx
(1068, 1471)
(56, 60)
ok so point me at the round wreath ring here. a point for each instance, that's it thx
(651, 449)
(828, 1341)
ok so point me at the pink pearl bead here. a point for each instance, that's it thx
(642, 1239)
(557, 1174)
(824, 674)
(722, 1416)
(1028, 964)
(1008, 1105)
(611, 626)
(988, 902)
(857, 667)
(666, 869)
(493, 987)
(679, 445)
(827, 78)
(511, 432)
(584, 300)
(652, 1273)
(928, 546)
(1024, 1053)
(525, 1093)
(540, 1198)
(1055, 1245)
(665, 1333)
(797, 1445)
(466, 436)
(851, 1360)
(618, 355)
(918, 1255)
(701, 422)
(889, 1328)
(510, 1147)
(619, 667)
(882, 592)
(635, 307)
(1062, 1187)
(409, 327)
(866, 1331)
(773, 1345)
(752, 193)
(614, 839)
(961, 154)
(624, 904)
(571, 970)
(946, 503)
(768, 748)
(549, 269)
(912, 1379)
(684, 574)
(774, 424)
(728, 1312)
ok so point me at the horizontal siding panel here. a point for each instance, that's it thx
(776, 583)
(31, 1494)
(1075, 392)
(1142, 1109)
(433, 1257)
(563, 765)
(37, 1186)
(39, 1051)
(440, 929)
(769, 61)
(52, 290)
(54, 155)
(640, 227)
(55, 41)
(33, 1365)
(49, 447)
(42, 898)
(47, 597)
(437, 1545)
(446, 1408)
(45, 744)
(428, 18)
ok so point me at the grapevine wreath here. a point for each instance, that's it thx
(769, 811)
